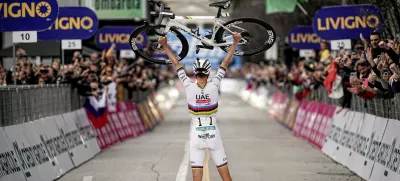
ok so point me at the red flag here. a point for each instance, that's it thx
(330, 79)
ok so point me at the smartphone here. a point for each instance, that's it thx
(379, 59)
(365, 82)
(353, 75)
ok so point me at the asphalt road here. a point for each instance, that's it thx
(258, 149)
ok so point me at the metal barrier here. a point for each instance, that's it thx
(387, 108)
(19, 104)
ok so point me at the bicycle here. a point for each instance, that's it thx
(166, 23)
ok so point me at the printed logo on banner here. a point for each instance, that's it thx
(24, 154)
(27, 15)
(386, 165)
(119, 35)
(55, 146)
(303, 37)
(9, 163)
(72, 23)
(348, 24)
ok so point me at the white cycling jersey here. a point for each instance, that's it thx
(203, 106)
(202, 102)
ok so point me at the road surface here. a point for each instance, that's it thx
(258, 149)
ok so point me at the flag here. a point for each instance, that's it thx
(280, 6)
(112, 97)
(330, 79)
(96, 110)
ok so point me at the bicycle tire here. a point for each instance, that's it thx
(265, 47)
(140, 29)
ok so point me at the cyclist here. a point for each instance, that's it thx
(202, 97)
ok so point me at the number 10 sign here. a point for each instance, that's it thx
(71, 44)
(24, 36)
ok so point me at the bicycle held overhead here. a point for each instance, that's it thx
(220, 37)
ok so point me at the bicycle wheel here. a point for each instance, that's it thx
(149, 51)
(254, 31)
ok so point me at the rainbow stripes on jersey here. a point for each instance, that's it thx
(203, 110)
(179, 68)
(222, 67)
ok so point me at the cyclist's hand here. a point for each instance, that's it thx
(237, 37)
(162, 41)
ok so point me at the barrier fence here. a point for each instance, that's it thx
(363, 138)
(45, 132)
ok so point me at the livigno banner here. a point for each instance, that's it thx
(117, 9)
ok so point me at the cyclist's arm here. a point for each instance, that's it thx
(179, 69)
(222, 68)
(171, 56)
(229, 55)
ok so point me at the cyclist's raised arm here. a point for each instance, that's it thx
(222, 68)
(228, 58)
(179, 70)
(171, 56)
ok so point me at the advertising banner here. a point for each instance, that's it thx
(72, 23)
(88, 132)
(314, 136)
(363, 143)
(11, 166)
(344, 138)
(47, 170)
(326, 123)
(110, 9)
(27, 15)
(386, 165)
(349, 137)
(119, 35)
(331, 146)
(76, 148)
(346, 22)
(56, 145)
(30, 165)
(309, 120)
(303, 37)
(300, 117)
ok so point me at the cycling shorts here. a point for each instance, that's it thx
(205, 134)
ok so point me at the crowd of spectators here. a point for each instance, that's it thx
(369, 70)
(88, 74)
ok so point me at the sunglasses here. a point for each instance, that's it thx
(201, 71)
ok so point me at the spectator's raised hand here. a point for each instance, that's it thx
(383, 45)
(395, 69)
(85, 73)
(384, 60)
(369, 54)
(372, 78)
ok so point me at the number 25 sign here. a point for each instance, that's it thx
(340, 44)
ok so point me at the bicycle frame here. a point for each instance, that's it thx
(209, 42)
